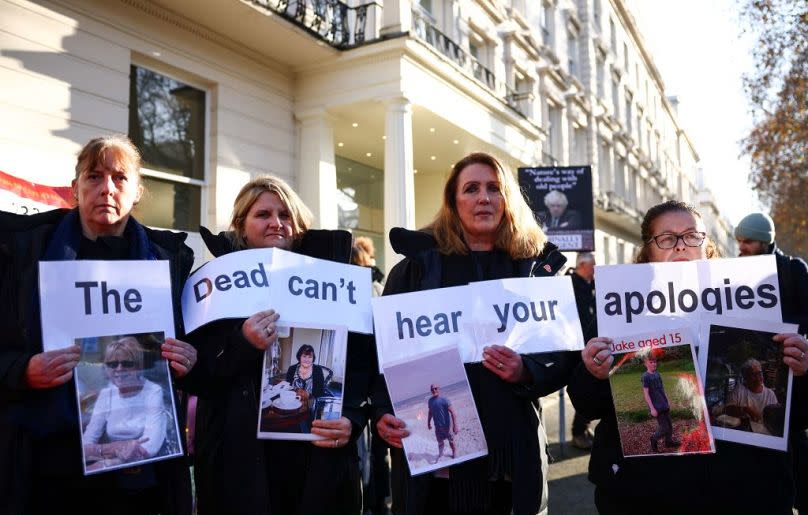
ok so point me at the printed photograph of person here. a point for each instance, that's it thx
(747, 381)
(431, 394)
(303, 380)
(558, 216)
(125, 403)
(659, 403)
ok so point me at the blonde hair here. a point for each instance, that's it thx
(128, 346)
(518, 234)
(363, 251)
(301, 217)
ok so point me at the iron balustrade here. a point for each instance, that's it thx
(332, 21)
(426, 31)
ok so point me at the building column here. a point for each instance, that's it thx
(396, 16)
(399, 182)
(317, 171)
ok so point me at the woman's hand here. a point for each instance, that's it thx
(391, 429)
(597, 356)
(260, 329)
(129, 450)
(795, 352)
(52, 368)
(337, 432)
(506, 364)
(180, 355)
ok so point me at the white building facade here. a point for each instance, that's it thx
(362, 106)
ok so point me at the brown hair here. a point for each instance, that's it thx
(97, 149)
(518, 233)
(670, 206)
(299, 214)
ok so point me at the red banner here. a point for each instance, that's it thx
(55, 196)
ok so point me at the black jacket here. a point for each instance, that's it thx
(422, 270)
(232, 472)
(792, 275)
(23, 240)
(721, 482)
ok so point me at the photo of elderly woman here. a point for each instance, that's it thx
(125, 403)
(303, 380)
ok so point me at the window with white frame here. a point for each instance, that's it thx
(605, 167)
(612, 35)
(547, 22)
(554, 132)
(167, 122)
(596, 15)
(615, 97)
(600, 72)
(572, 54)
(625, 57)
(629, 115)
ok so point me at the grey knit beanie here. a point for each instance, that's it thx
(756, 226)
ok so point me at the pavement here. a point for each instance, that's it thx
(570, 491)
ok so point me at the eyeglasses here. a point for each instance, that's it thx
(434, 388)
(669, 241)
(124, 364)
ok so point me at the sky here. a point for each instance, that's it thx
(699, 50)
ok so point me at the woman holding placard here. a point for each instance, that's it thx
(40, 439)
(235, 472)
(484, 230)
(737, 478)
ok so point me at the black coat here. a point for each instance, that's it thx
(720, 482)
(231, 468)
(23, 240)
(421, 270)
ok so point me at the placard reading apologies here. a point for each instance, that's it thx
(306, 292)
(527, 315)
(81, 299)
(653, 296)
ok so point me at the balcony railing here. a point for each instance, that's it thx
(426, 31)
(332, 21)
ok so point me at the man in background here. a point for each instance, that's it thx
(583, 286)
(755, 236)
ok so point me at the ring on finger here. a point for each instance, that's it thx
(268, 331)
(596, 361)
(336, 442)
(500, 366)
(802, 355)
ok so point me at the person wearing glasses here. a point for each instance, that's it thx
(129, 420)
(704, 483)
(443, 414)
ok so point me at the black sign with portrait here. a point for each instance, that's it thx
(561, 200)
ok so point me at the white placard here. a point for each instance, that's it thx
(722, 355)
(315, 293)
(80, 299)
(235, 285)
(306, 292)
(410, 324)
(526, 314)
(536, 314)
(655, 296)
